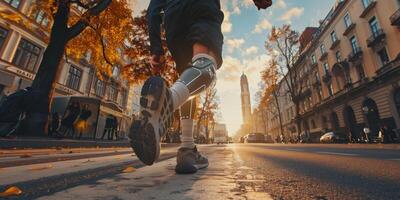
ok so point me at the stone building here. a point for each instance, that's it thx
(246, 104)
(22, 48)
(351, 69)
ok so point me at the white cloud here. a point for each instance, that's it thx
(280, 4)
(262, 25)
(251, 50)
(226, 24)
(235, 43)
(293, 12)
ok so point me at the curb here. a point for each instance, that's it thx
(46, 143)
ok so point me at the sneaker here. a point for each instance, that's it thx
(155, 118)
(189, 161)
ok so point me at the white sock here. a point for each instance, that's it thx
(180, 94)
(187, 133)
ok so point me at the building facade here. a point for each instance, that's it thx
(351, 69)
(21, 51)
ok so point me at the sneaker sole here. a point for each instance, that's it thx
(145, 140)
(188, 168)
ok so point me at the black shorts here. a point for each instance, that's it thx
(193, 21)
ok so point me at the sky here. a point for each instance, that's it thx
(245, 30)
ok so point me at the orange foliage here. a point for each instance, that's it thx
(139, 53)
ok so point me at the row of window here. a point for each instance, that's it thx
(375, 30)
(100, 90)
(27, 57)
(13, 3)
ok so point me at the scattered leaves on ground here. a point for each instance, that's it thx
(11, 191)
(129, 170)
(88, 161)
(43, 167)
(26, 156)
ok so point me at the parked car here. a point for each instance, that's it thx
(268, 139)
(255, 138)
(331, 137)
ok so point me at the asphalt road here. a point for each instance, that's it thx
(325, 171)
(236, 171)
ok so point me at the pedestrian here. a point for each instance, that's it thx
(55, 124)
(114, 128)
(387, 134)
(72, 114)
(194, 38)
(81, 125)
(107, 127)
(365, 136)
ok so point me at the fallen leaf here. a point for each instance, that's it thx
(41, 167)
(88, 161)
(11, 191)
(25, 156)
(129, 170)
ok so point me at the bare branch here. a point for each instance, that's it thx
(77, 28)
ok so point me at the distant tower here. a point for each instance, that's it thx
(245, 93)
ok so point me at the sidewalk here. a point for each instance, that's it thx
(47, 143)
(224, 179)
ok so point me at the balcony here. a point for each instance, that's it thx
(390, 67)
(349, 29)
(368, 9)
(356, 55)
(395, 18)
(377, 37)
(323, 56)
(327, 78)
(334, 44)
(316, 83)
(314, 65)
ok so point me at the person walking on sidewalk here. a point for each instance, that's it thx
(72, 114)
(194, 38)
(81, 125)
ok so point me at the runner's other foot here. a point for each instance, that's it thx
(189, 161)
(155, 118)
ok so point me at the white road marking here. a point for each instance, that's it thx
(395, 159)
(335, 153)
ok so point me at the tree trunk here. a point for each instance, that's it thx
(279, 112)
(264, 120)
(36, 120)
(298, 119)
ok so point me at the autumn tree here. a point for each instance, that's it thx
(283, 45)
(207, 111)
(269, 102)
(79, 27)
(139, 53)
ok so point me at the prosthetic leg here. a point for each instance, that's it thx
(194, 80)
